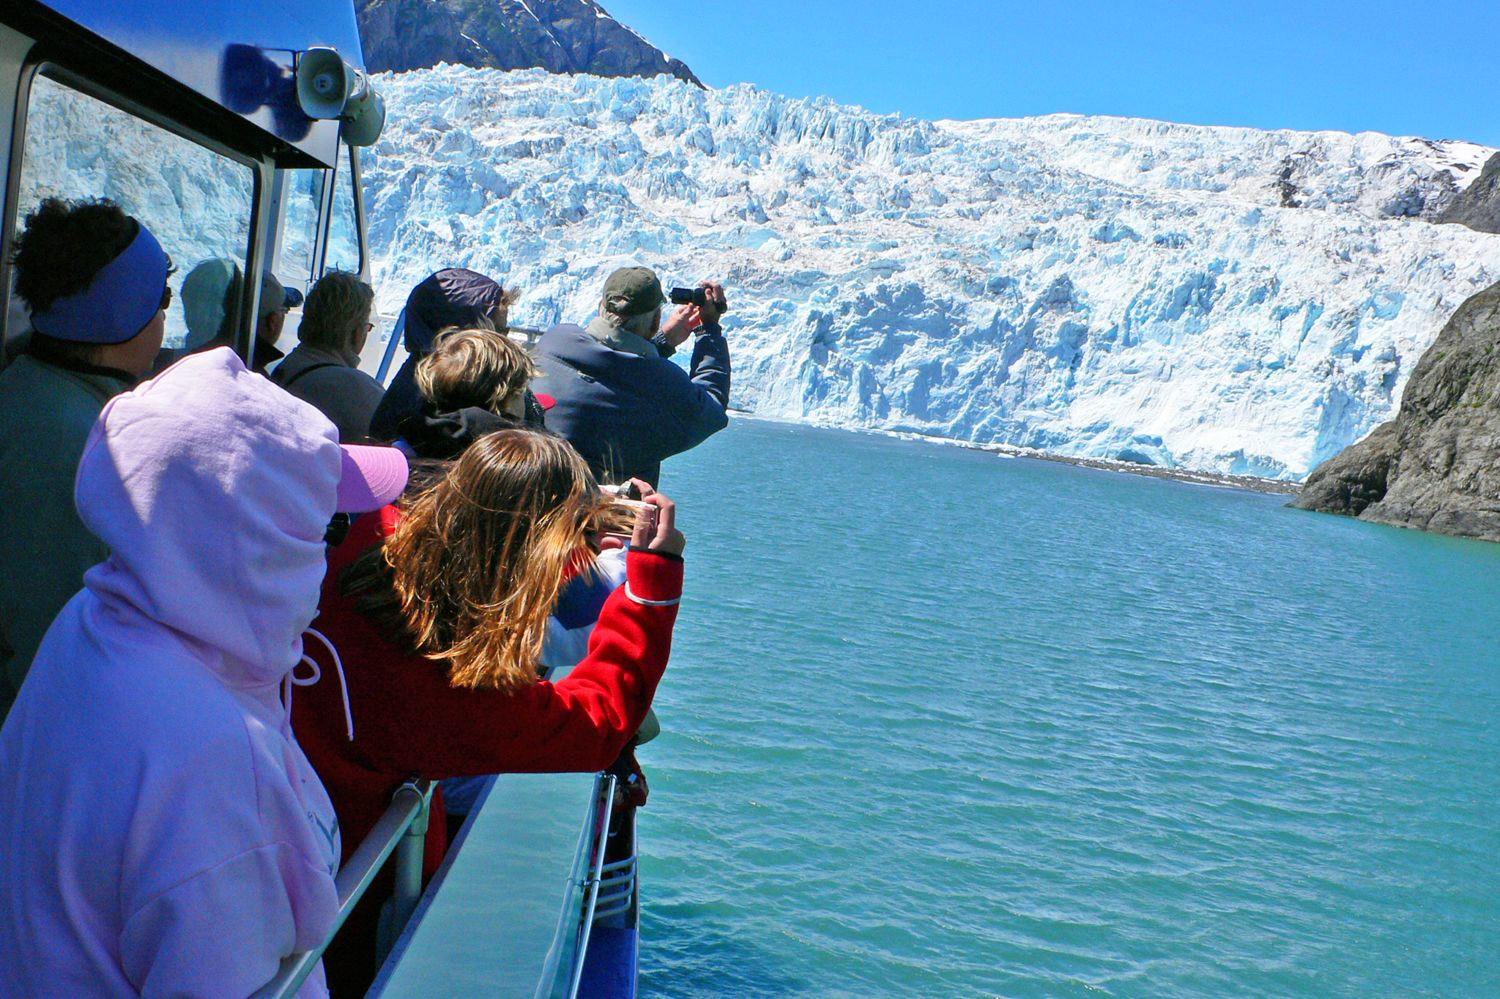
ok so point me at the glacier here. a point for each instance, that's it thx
(1225, 300)
(1220, 299)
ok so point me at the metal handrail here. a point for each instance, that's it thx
(604, 789)
(392, 833)
(408, 888)
(397, 331)
(616, 891)
(531, 333)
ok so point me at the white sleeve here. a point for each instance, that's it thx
(565, 648)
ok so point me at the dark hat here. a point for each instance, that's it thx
(452, 296)
(633, 291)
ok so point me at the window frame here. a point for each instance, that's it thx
(61, 72)
(330, 197)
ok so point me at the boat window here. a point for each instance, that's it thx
(343, 228)
(303, 194)
(198, 203)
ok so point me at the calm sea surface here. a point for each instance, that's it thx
(941, 723)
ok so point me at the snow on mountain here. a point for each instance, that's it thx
(1091, 286)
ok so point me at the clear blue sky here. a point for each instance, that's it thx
(1402, 68)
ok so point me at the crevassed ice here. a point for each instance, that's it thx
(1102, 287)
(1093, 286)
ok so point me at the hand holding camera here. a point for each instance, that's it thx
(655, 518)
(707, 298)
(696, 307)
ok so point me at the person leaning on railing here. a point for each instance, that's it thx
(430, 629)
(620, 401)
(475, 382)
(160, 831)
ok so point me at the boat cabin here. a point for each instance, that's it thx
(233, 129)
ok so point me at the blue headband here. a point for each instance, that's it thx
(119, 301)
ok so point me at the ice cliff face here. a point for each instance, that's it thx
(1211, 298)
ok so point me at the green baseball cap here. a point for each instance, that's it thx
(633, 291)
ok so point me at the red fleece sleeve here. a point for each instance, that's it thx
(577, 724)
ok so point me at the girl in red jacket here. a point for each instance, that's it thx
(437, 609)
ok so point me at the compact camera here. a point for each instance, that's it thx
(628, 497)
(691, 296)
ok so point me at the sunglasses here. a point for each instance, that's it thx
(166, 298)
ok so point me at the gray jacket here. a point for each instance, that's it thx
(332, 381)
(46, 413)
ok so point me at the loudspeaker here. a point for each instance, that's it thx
(364, 118)
(325, 82)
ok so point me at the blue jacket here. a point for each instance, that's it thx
(626, 411)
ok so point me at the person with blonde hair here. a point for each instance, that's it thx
(435, 612)
(324, 369)
(453, 296)
(472, 383)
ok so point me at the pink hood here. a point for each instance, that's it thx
(213, 492)
(163, 833)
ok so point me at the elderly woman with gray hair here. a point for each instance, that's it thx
(324, 369)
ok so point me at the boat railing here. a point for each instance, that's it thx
(616, 888)
(402, 830)
(564, 962)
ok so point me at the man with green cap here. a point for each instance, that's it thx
(619, 400)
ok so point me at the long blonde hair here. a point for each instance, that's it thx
(477, 562)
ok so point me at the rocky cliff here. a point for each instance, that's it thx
(1436, 466)
(560, 36)
(1478, 205)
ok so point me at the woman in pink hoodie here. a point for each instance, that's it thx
(161, 832)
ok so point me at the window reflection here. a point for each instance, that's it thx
(303, 195)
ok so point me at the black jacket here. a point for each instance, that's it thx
(451, 297)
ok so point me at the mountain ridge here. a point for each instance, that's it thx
(1436, 466)
(560, 36)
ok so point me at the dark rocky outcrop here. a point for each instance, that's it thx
(1478, 205)
(1436, 466)
(560, 36)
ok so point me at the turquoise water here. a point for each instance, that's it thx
(940, 723)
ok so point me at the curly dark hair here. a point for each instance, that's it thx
(64, 244)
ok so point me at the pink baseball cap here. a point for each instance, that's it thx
(370, 478)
